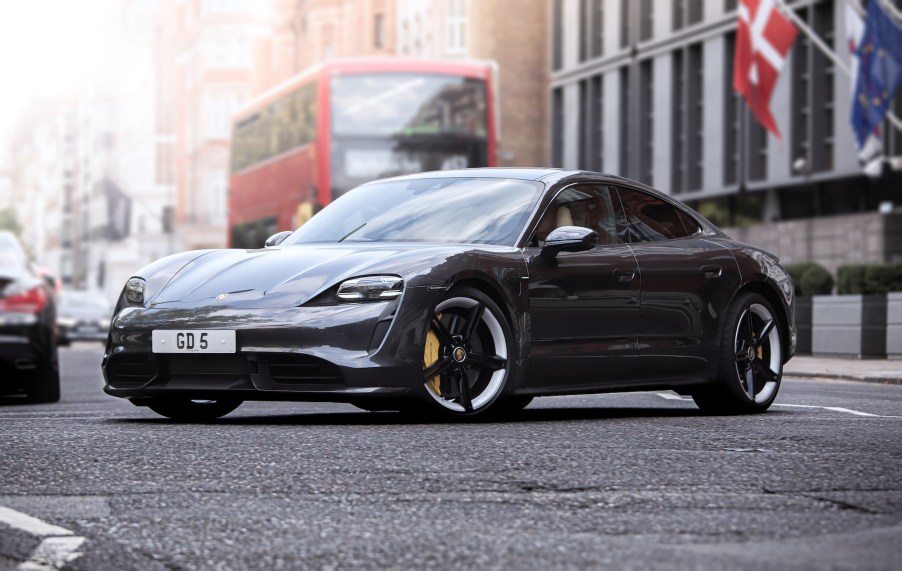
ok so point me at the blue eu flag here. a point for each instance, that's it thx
(879, 71)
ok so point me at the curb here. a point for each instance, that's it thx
(877, 378)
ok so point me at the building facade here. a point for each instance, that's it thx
(513, 34)
(643, 88)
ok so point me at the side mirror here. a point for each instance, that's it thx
(277, 239)
(569, 239)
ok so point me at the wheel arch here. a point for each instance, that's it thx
(769, 293)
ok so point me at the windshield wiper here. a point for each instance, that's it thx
(343, 238)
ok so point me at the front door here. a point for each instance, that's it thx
(584, 306)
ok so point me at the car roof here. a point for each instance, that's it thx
(549, 175)
(490, 172)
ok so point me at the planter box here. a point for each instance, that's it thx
(849, 326)
(803, 325)
(894, 325)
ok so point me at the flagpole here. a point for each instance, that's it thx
(831, 55)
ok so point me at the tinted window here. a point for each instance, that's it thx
(650, 218)
(458, 210)
(589, 206)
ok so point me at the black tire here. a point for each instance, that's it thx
(187, 410)
(45, 380)
(467, 355)
(751, 360)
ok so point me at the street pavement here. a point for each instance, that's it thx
(626, 481)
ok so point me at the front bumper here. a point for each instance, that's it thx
(337, 353)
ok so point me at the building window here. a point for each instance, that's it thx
(687, 13)
(625, 23)
(678, 126)
(455, 26)
(224, 7)
(646, 122)
(591, 29)
(646, 20)
(688, 119)
(596, 162)
(379, 31)
(557, 34)
(557, 127)
(813, 102)
(590, 102)
(218, 110)
(597, 27)
(732, 107)
(626, 124)
(730, 5)
(695, 95)
(222, 53)
(756, 148)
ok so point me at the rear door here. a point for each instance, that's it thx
(688, 281)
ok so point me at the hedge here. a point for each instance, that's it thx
(868, 279)
(810, 278)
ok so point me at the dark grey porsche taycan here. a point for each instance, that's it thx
(461, 293)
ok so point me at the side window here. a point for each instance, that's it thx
(689, 223)
(651, 219)
(589, 206)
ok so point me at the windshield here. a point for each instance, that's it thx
(458, 210)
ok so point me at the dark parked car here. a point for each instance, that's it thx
(28, 355)
(460, 293)
(83, 316)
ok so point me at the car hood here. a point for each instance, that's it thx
(289, 276)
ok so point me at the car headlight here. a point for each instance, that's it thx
(134, 291)
(371, 288)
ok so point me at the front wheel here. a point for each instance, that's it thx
(751, 360)
(187, 410)
(467, 356)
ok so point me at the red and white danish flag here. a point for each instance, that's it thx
(763, 39)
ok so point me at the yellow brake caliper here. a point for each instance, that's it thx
(431, 355)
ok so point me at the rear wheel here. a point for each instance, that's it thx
(467, 354)
(751, 360)
(187, 410)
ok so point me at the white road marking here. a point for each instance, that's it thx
(670, 396)
(53, 553)
(58, 547)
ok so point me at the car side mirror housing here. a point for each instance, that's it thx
(277, 239)
(569, 239)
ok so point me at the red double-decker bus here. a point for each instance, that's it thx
(304, 143)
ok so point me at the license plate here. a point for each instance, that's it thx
(193, 341)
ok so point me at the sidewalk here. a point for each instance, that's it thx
(888, 372)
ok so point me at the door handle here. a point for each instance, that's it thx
(712, 271)
(625, 275)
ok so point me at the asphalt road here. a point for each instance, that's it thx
(623, 481)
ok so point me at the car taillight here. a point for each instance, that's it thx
(28, 301)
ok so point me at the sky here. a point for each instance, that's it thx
(48, 48)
